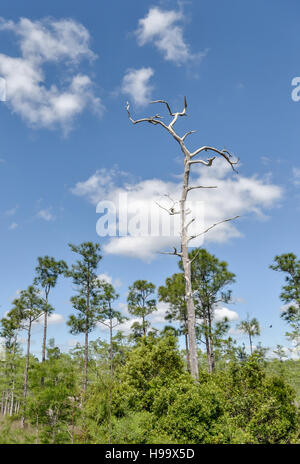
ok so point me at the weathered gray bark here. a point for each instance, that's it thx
(185, 236)
(187, 348)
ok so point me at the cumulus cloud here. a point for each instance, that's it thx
(46, 214)
(221, 313)
(97, 186)
(53, 319)
(235, 195)
(62, 42)
(136, 84)
(107, 278)
(2, 89)
(164, 29)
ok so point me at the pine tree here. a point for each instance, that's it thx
(47, 273)
(141, 302)
(84, 277)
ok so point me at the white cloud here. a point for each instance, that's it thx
(53, 319)
(289, 352)
(136, 84)
(107, 278)
(64, 42)
(13, 226)
(235, 195)
(161, 28)
(99, 184)
(125, 327)
(158, 317)
(2, 89)
(46, 215)
(221, 313)
(296, 176)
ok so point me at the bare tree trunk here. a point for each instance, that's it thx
(86, 343)
(45, 336)
(144, 326)
(207, 345)
(250, 339)
(86, 359)
(13, 377)
(45, 329)
(187, 348)
(26, 375)
(185, 237)
(191, 319)
(211, 344)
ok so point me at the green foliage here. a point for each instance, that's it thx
(55, 405)
(47, 272)
(155, 399)
(290, 295)
(141, 302)
(141, 391)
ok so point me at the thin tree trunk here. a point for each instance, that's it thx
(187, 270)
(13, 377)
(111, 349)
(45, 328)
(187, 350)
(26, 375)
(251, 351)
(110, 380)
(86, 343)
(86, 359)
(45, 336)
(211, 345)
(208, 352)
(144, 326)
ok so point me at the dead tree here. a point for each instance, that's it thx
(189, 160)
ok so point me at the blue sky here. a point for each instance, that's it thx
(70, 67)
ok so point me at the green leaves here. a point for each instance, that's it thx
(290, 295)
(47, 272)
(140, 301)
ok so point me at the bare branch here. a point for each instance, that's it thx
(166, 103)
(189, 223)
(175, 252)
(211, 227)
(188, 133)
(152, 120)
(208, 162)
(201, 187)
(225, 153)
(175, 115)
(170, 211)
